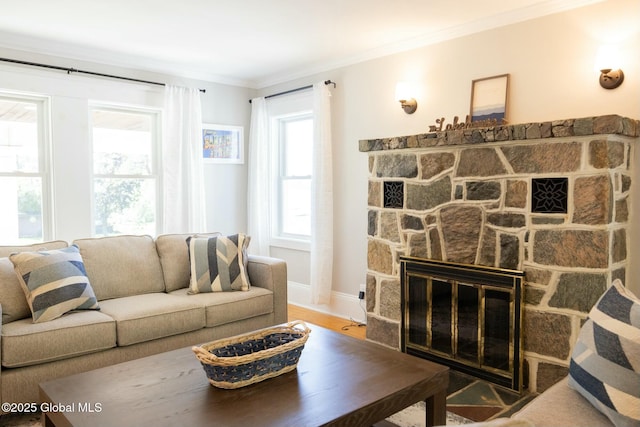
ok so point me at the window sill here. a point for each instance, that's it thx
(295, 244)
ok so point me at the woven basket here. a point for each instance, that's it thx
(247, 359)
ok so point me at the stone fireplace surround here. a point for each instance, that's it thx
(466, 196)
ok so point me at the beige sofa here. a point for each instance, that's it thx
(141, 287)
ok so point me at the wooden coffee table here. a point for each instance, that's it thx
(340, 381)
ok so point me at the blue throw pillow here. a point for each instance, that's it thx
(54, 282)
(605, 363)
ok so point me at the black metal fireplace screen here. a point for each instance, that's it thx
(467, 317)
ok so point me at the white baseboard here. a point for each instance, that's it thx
(341, 304)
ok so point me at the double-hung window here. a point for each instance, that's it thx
(294, 178)
(125, 171)
(26, 214)
(292, 143)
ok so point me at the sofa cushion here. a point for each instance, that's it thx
(174, 257)
(5, 251)
(12, 298)
(605, 363)
(219, 263)
(121, 266)
(147, 317)
(54, 282)
(227, 307)
(26, 343)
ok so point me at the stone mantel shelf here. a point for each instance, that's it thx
(599, 125)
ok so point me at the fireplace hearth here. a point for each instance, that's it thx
(463, 316)
(550, 199)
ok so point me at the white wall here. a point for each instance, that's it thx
(551, 63)
(70, 94)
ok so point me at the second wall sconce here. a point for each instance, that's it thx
(611, 79)
(607, 61)
(403, 95)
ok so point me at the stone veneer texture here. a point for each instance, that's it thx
(466, 196)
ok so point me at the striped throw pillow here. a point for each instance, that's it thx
(605, 364)
(54, 282)
(218, 264)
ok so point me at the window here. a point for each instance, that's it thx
(294, 180)
(25, 216)
(125, 182)
(292, 140)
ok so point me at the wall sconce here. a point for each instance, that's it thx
(610, 77)
(403, 95)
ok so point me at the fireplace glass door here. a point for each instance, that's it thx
(467, 317)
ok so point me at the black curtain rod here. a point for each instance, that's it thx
(327, 82)
(91, 73)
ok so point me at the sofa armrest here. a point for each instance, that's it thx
(271, 273)
(560, 406)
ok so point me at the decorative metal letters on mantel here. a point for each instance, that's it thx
(464, 125)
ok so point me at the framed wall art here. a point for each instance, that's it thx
(489, 98)
(222, 144)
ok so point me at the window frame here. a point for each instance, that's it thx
(43, 129)
(282, 110)
(156, 157)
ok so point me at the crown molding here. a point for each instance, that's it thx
(537, 10)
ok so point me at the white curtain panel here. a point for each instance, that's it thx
(183, 179)
(321, 198)
(258, 198)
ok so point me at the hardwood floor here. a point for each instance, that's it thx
(338, 324)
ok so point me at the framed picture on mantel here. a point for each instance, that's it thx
(489, 98)
(222, 144)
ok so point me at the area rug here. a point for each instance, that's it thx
(414, 416)
(20, 420)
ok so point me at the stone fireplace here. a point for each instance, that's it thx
(551, 199)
